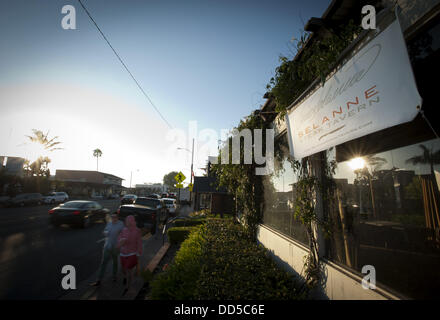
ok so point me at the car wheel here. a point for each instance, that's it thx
(86, 222)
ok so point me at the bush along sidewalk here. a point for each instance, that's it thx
(219, 260)
(177, 235)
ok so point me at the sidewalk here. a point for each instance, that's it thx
(109, 290)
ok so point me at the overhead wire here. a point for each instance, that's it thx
(123, 63)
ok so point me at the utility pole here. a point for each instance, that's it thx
(192, 164)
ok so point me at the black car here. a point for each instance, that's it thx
(146, 211)
(25, 199)
(80, 213)
(154, 196)
(128, 199)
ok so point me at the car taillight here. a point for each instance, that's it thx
(153, 216)
(118, 211)
(76, 212)
(51, 211)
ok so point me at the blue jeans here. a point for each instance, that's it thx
(112, 253)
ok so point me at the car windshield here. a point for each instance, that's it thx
(147, 202)
(74, 204)
(169, 201)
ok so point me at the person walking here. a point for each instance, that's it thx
(110, 251)
(130, 244)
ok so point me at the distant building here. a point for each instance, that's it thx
(145, 189)
(12, 165)
(208, 195)
(89, 183)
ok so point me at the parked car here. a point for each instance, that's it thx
(80, 213)
(25, 199)
(171, 205)
(146, 211)
(56, 197)
(128, 199)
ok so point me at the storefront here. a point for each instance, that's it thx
(384, 165)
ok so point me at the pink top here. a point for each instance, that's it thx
(130, 239)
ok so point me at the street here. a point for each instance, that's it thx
(33, 252)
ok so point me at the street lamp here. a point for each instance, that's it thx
(192, 163)
(131, 174)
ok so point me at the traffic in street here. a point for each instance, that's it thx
(33, 251)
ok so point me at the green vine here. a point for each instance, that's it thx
(293, 77)
(306, 190)
(241, 180)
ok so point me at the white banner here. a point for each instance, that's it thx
(374, 90)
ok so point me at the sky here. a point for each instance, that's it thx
(204, 64)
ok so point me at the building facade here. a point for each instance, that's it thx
(384, 211)
(88, 183)
(12, 165)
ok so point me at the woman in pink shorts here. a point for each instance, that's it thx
(130, 244)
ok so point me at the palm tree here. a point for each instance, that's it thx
(97, 153)
(427, 157)
(430, 157)
(41, 138)
(374, 164)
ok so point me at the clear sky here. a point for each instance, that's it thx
(204, 61)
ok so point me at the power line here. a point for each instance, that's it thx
(122, 62)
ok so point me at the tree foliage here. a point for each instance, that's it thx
(169, 180)
(42, 139)
(292, 77)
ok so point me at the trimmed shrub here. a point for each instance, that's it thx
(179, 281)
(219, 260)
(177, 235)
(189, 222)
(238, 268)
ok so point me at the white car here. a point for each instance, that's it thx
(170, 204)
(56, 197)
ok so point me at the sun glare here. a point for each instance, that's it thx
(357, 163)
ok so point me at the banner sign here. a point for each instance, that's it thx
(374, 90)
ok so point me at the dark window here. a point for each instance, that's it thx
(74, 204)
(386, 213)
(279, 197)
(147, 202)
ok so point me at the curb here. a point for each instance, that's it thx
(158, 257)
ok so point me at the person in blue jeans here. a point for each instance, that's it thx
(110, 251)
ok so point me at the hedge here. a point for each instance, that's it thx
(220, 261)
(179, 281)
(189, 222)
(178, 234)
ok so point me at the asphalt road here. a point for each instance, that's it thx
(33, 252)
